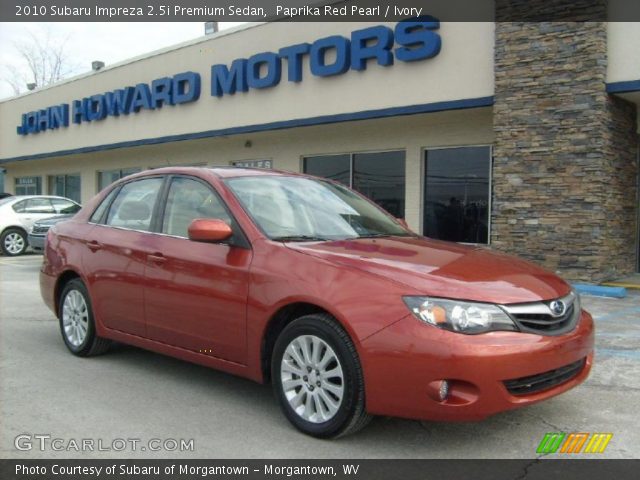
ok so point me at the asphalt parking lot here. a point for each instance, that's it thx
(133, 394)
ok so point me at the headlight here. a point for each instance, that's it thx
(460, 316)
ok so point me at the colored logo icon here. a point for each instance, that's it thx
(574, 442)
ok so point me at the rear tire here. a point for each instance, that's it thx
(77, 324)
(318, 379)
(13, 242)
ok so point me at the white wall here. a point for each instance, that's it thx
(623, 45)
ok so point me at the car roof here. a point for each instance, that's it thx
(220, 172)
(16, 198)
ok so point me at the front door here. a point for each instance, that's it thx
(196, 293)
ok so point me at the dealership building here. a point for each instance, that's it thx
(519, 136)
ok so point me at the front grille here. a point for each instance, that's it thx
(544, 381)
(538, 317)
(545, 322)
(39, 230)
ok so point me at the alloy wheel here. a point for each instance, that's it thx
(75, 318)
(14, 243)
(312, 378)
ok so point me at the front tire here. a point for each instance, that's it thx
(318, 379)
(13, 242)
(77, 324)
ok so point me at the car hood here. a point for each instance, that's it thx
(443, 269)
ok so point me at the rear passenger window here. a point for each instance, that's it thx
(98, 214)
(189, 199)
(133, 207)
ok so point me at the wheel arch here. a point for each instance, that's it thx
(277, 323)
(15, 227)
(64, 278)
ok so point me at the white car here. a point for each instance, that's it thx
(19, 213)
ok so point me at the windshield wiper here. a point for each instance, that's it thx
(380, 235)
(299, 238)
(375, 235)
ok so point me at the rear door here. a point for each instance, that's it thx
(196, 293)
(116, 254)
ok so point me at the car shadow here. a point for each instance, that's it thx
(384, 437)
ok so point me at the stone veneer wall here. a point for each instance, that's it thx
(565, 160)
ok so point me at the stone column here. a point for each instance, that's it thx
(565, 155)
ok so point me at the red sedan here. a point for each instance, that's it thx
(299, 281)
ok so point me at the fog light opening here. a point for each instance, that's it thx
(443, 392)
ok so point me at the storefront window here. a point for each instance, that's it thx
(457, 193)
(335, 167)
(107, 177)
(380, 175)
(65, 186)
(28, 186)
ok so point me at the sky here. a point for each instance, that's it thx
(108, 42)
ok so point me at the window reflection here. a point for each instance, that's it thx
(456, 199)
(65, 186)
(379, 176)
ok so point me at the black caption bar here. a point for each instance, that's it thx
(317, 469)
(315, 11)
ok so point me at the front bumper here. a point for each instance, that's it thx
(404, 363)
(37, 242)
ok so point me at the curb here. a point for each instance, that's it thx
(601, 291)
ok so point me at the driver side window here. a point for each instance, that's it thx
(190, 199)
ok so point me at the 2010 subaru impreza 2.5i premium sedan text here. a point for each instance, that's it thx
(299, 281)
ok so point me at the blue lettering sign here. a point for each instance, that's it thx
(294, 55)
(118, 102)
(78, 111)
(141, 98)
(414, 39)
(373, 42)
(319, 50)
(95, 108)
(335, 55)
(59, 116)
(161, 90)
(229, 81)
(417, 39)
(271, 63)
(48, 119)
(185, 88)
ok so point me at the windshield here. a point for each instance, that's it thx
(299, 209)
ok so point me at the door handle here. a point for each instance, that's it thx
(94, 246)
(157, 258)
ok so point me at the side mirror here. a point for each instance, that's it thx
(403, 222)
(209, 230)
